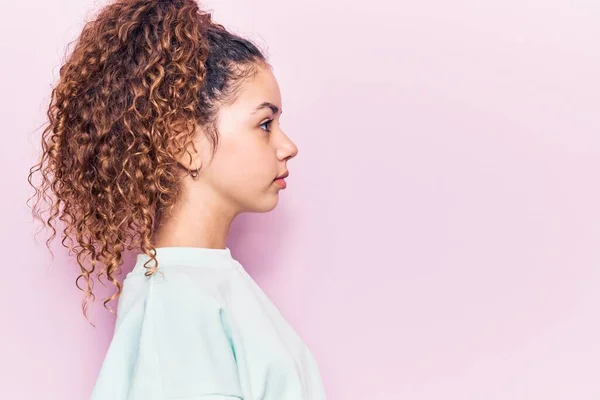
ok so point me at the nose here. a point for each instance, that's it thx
(294, 150)
(288, 149)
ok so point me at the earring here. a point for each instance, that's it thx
(194, 174)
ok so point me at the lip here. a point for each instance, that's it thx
(281, 182)
(283, 176)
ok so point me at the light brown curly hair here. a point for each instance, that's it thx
(143, 74)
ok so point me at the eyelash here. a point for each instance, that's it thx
(267, 123)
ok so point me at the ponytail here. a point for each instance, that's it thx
(142, 74)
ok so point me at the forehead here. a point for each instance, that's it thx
(262, 87)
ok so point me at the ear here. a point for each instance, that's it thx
(192, 157)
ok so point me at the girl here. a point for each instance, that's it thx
(162, 129)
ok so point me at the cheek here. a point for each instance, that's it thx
(245, 164)
(255, 164)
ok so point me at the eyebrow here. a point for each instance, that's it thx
(266, 104)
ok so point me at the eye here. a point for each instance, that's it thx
(267, 124)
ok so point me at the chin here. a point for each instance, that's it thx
(267, 204)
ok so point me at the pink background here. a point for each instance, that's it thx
(440, 234)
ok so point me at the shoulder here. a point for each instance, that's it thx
(181, 332)
(203, 287)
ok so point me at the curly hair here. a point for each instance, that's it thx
(142, 75)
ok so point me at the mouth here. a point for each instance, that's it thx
(283, 176)
(280, 180)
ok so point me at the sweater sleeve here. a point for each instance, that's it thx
(194, 349)
(170, 343)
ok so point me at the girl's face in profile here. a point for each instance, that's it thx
(253, 149)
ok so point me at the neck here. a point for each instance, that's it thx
(201, 219)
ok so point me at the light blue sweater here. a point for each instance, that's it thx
(200, 328)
